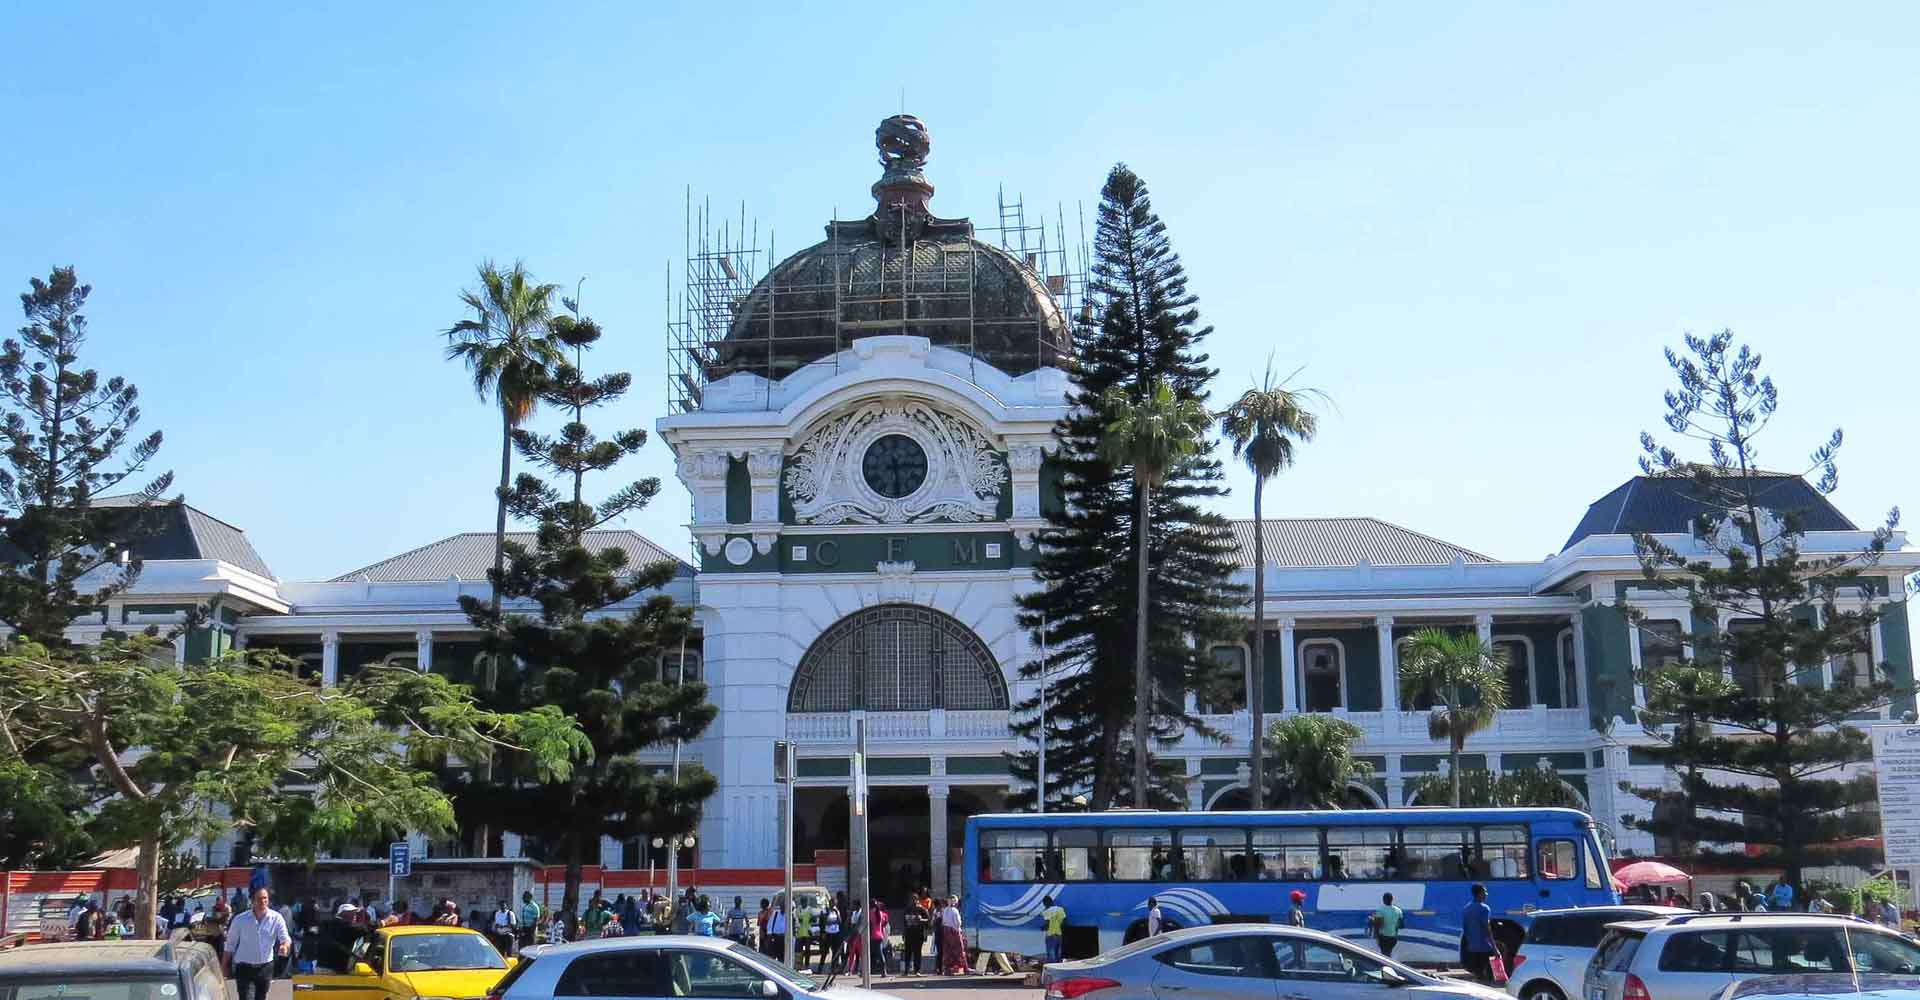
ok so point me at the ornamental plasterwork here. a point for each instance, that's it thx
(1731, 532)
(964, 475)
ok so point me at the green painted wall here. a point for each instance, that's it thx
(354, 655)
(739, 492)
(1423, 763)
(1561, 761)
(1361, 648)
(899, 766)
(859, 553)
(1220, 765)
(1896, 633)
(823, 767)
(976, 765)
(1609, 663)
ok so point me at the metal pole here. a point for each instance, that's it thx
(787, 876)
(673, 842)
(866, 861)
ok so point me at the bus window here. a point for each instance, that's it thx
(1503, 849)
(1288, 854)
(1359, 852)
(1214, 855)
(1012, 855)
(1140, 855)
(1076, 855)
(1594, 864)
(1438, 853)
(1557, 860)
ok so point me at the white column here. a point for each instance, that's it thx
(1582, 696)
(1483, 626)
(423, 649)
(1389, 667)
(1289, 673)
(1196, 794)
(937, 826)
(329, 658)
(511, 845)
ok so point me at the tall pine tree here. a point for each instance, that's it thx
(585, 649)
(1148, 330)
(1756, 721)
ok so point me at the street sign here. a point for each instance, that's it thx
(1896, 767)
(399, 859)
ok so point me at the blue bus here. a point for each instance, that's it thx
(1229, 867)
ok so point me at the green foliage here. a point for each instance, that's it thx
(1312, 761)
(67, 434)
(1264, 424)
(1148, 331)
(42, 816)
(506, 343)
(1761, 742)
(1466, 677)
(1533, 787)
(592, 650)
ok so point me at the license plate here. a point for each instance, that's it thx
(1597, 993)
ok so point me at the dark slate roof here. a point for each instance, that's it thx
(1667, 504)
(179, 531)
(470, 555)
(1344, 541)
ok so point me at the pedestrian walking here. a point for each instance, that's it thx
(1386, 922)
(881, 938)
(952, 942)
(503, 928)
(1296, 909)
(1055, 917)
(704, 922)
(1153, 916)
(773, 943)
(254, 940)
(913, 933)
(737, 921)
(1476, 937)
(854, 925)
(529, 919)
(834, 932)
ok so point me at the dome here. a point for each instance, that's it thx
(898, 271)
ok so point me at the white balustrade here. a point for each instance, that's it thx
(989, 724)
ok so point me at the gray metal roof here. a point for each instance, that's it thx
(178, 531)
(470, 555)
(1302, 542)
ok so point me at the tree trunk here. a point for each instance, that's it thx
(1142, 702)
(146, 902)
(1257, 687)
(483, 834)
(570, 899)
(1453, 764)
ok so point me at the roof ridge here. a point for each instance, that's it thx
(1620, 512)
(1430, 538)
(364, 570)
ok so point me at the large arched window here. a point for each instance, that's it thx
(897, 658)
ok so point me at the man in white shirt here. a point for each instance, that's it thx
(255, 937)
(1153, 916)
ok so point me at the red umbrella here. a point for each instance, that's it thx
(1643, 872)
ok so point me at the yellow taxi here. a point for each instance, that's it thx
(428, 961)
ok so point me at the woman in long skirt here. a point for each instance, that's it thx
(952, 945)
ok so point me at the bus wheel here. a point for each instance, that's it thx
(1135, 931)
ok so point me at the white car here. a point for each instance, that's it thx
(1552, 961)
(1697, 956)
(661, 968)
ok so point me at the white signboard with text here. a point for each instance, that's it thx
(1896, 766)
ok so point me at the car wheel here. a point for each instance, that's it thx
(1540, 989)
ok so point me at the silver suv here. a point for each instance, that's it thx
(1695, 957)
(1552, 961)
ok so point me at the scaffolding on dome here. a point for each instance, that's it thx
(724, 320)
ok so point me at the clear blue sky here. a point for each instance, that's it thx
(1474, 225)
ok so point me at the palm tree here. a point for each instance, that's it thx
(1152, 433)
(1313, 761)
(507, 345)
(1263, 424)
(1451, 666)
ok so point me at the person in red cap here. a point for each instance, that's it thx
(1297, 916)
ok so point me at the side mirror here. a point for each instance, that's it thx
(362, 969)
(1391, 976)
(512, 960)
(769, 988)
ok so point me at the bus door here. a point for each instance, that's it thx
(1559, 876)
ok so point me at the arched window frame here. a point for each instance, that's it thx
(1340, 660)
(1246, 661)
(952, 642)
(1533, 668)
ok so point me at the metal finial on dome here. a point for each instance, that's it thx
(903, 143)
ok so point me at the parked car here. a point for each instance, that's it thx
(1246, 962)
(414, 960)
(1695, 957)
(1552, 961)
(661, 966)
(1852, 985)
(112, 970)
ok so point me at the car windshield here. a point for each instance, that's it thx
(89, 988)
(1874, 951)
(781, 969)
(438, 952)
